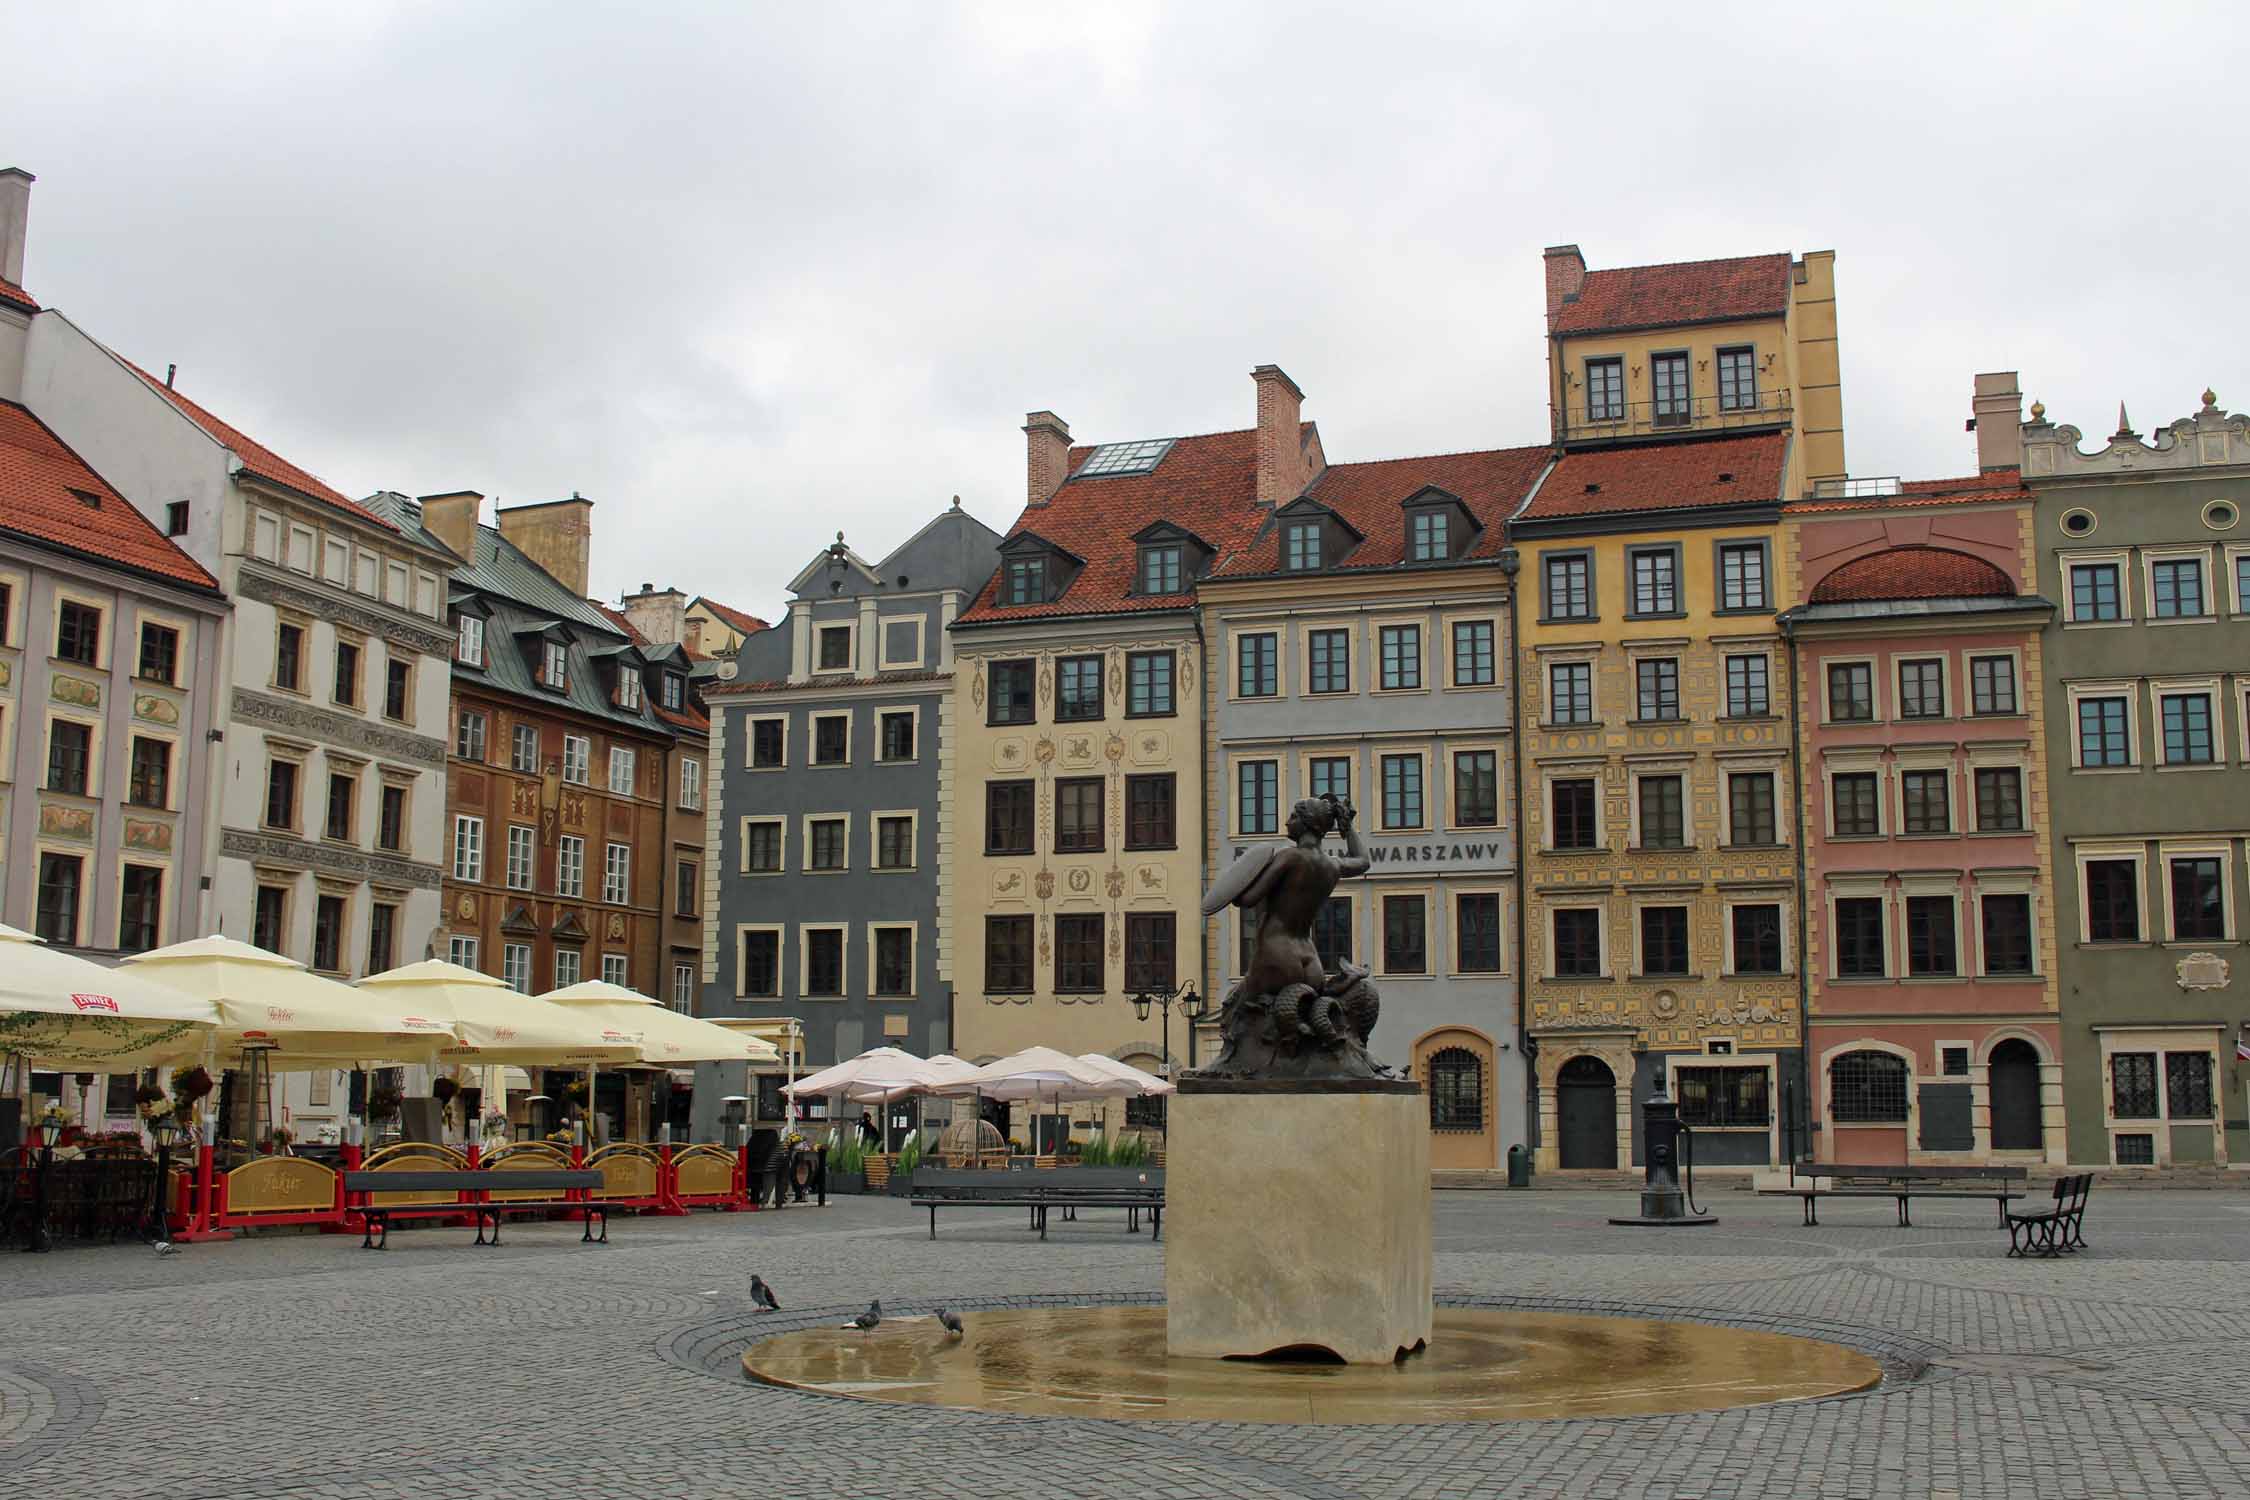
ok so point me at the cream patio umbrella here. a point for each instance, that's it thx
(1141, 1084)
(496, 1025)
(1040, 1073)
(277, 1004)
(869, 1076)
(63, 1012)
(666, 1036)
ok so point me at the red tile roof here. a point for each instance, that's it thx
(2000, 484)
(259, 461)
(16, 296)
(1913, 573)
(1367, 495)
(690, 719)
(748, 624)
(41, 482)
(1664, 476)
(1694, 291)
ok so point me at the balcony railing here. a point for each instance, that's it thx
(1597, 421)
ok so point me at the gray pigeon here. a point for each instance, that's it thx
(869, 1318)
(951, 1322)
(166, 1247)
(761, 1295)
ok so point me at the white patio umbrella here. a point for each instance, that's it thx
(666, 1036)
(942, 1070)
(63, 1012)
(1143, 1085)
(495, 1024)
(275, 1003)
(1039, 1073)
(875, 1072)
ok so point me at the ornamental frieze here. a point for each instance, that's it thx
(155, 708)
(77, 691)
(333, 728)
(57, 821)
(327, 859)
(255, 583)
(149, 834)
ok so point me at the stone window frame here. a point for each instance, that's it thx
(913, 931)
(1728, 655)
(843, 931)
(2012, 757)
(875, 820)
(337, 767)
(1876, 887)
(1948, 698)
(885, 662)
(1921, 760)
(2101, 851)
(1434, 944)
(1945, 888)
(1499, 754)
(1236, 637)
(1236, 805)
(1633, 553)
(1376, 626)
(1681, 766)
(1983, 883)
(174, 767)
(781, 849)
(2207, 688)
(2201, 557)
(1448, 623)
(844, 844)
(1777, 897)
(2221, 850)
(1768, 581)
(2237, 556)
(2119, 557)
(1580, 770)
(1970, 658)
(1343, 750)
(2123, 687)
(1680, 897)
(820, 632)
(1858, 762)
(812, 738)
(1494, 888)
(2163, 1040)
(750, 723)
(1875, 686)
(1306, 630)
(277, 752)
(1586, 655)
(183, 644)
(1552, 555)
(876, 716)
(1773, 762)
(1596, 902)
(1419, 754)
(162, 867)
(106, 621)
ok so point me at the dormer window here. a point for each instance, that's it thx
(554, 669)
(1300, 547)
(1439, 527)
(1034, 570)
(1427, 539)
(1027, 580)
(629, 689)
(1160, 568)
(470, 648)
(674, 690)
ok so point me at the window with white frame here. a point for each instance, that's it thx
(2175, 588)
(1992, 685)
(520, 856)
(470, 648)
(570, 967)
(2097, 592)
(617, 970)
(1570, 692)
(2186, 722)
(468, 849)
(1747, 696)
(515, 967)
(691, 784)
(2104, 726)
(570, 866)
(683, 989)
(554, 669)
(617, 874)
(1921, 688)
(461, 951)
(623, 766)
(578, 759)
(628, 687)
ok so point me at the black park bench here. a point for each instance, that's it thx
(1901, 1183)
(2055, 1230)
(1137, 1190)
(557, 1184)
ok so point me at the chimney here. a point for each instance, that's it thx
(452, 519)
(1998, 422)
(557, 535)
(1281, 438)
(1566, 274)
(15, 219)
(1047, 455)
(694, 640)
(659, 614)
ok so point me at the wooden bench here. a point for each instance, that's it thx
(2056, 1230)
(571, 1188)
(1134, 1189)
(1900, 1183)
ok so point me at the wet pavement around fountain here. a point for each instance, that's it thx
(304, 1366)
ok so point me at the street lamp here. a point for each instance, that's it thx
(49, 1130)
(165, 1131)
(1191, 1006)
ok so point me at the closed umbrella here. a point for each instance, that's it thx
(60, 1011)
(275, 1003)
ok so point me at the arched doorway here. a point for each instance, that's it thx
(1586, 1114)
(2016, 1115)
(1455, 1067)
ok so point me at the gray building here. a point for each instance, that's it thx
(2147, 675)
(828, 745)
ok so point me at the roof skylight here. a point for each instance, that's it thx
(1113, 459)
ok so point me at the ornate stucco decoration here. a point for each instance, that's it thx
(2203, 971)
(327, 859)
(2209, 437)
(255, 583)
(332, 728)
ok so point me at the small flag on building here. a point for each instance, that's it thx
(2242, 1046)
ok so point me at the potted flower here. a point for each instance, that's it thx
(495, 1123)
(383, 1101)
(443, 1091)
(150, 1101)
(189, 1088)
(847, 1164)
(278, 1141)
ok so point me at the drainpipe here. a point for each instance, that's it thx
(1788, 623)
(1511, 562)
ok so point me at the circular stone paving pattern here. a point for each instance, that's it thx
(1482, 1365)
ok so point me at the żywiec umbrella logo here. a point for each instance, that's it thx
(95, 1002)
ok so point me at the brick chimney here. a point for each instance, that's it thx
(1998, 422)
(452, 519)
(1566, 274)
(1047, 455)
(15, 219)
(556, 534)
(1282, 475)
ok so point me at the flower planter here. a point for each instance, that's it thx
(847, 1182)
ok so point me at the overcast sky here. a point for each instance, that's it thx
(745, 278)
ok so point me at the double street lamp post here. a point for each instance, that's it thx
(1192, 1006)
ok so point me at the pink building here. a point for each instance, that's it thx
(1931, 1020)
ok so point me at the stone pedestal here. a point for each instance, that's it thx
(1297, 1217)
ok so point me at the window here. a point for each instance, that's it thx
(761, 847)
(1569, 586)
(520, 857)
(382, 936)
(1668, 379)
(578, 758)
(1257, 788)
(1078, 815)
(1656, 580)
(176, 518)
(1257, 666)
(1605, 390)
(1476, 788)
(160, 653)
(398, 689)
(1924, 798)
(1575, 809)
(281, 794)
(1742, 575)
(1300, 547)
(1473, 660)
(1712, 1098)
(1428, 538)
(2242, 583)
(1578, 942)
(894, 843)
(1007, 817)
(2103, 738)
(269, 918)
(624, 768)
(1405, 935)
(469, 648)
(150, 784)
(1921, 689)
(1476, 933)
(1027, 580)
(1007, 955)
(691, 784)
(1149, 953)
(288, 656)
(1456, 1090)
(1012, 688)
(1663, 809)
(328, 934)
(1746, 687)
(141, 909)
(1757, 938)
(2094, 592)
(894, 960)
(1148, 684)
(1738, 383)
(570, 866)
(2187, 728)
(1160, 569)
(1332, 932)
(1664, 940)
(468, 849)
(1149, 803)
(1992, 684)
(1750, 814)
(1931, 947)
(824, 843)
(2132, 1085)
(78, 633)
(824, 961)
(1867, 1088)
(343, 802)
(1659, 683)
(390, 821)
(767, 739)
(675, 691)
(1851, 692)
(835, 651)
(1999, 799)
(1402, 657)
(614, 967)
(2007, 933)
(460, 950)
(1953, 1062)
(761, 963)
(1570, 692)
(1078, 689)
(628, 687)
(468, 735)
(1402, 791)
(1078, 953)
(347, 673)
(2198, 901)
(831, 739)
(1859, 937)
(2176, 588)
(554, 668)
(683, 989)
(1328, 661)
(2187, 1085)
(1330, 776)
(2113, 901)
(617, 874)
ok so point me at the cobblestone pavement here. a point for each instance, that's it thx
(301, 1366)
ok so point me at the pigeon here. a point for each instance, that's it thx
(951, 1321)
(761, 1295)
(166, 1247)
(869, 1318)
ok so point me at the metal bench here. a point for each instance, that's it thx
(572, 1189)
(1133, 1189)
(1902, 1184)
(2056, 1230)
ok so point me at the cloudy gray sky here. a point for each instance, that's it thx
(747, 274)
